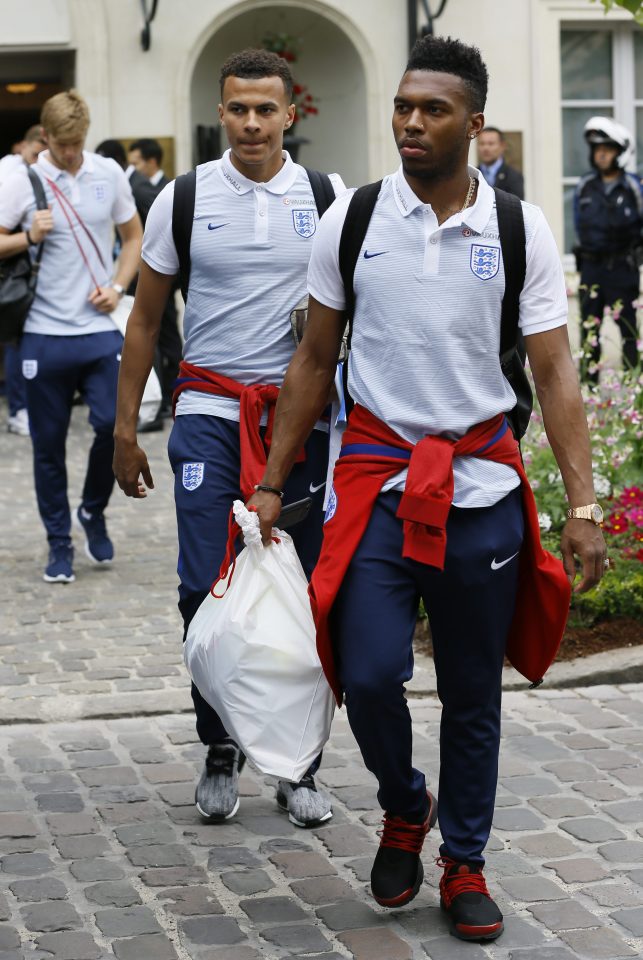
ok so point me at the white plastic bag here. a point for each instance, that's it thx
(151, 400)
(253, 657)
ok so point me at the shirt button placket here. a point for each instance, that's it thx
(261, 220)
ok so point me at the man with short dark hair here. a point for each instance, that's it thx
(253, 219)
(429, 496)
(494, 168)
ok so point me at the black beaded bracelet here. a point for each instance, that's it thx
(29, 240)
(266, 489)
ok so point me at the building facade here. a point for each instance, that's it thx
(552, 64)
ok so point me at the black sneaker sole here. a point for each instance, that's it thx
(463, 931)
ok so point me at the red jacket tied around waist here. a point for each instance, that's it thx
(371, 454)
(253, 400)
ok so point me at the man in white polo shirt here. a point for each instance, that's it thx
(70, 342)
(429, 494)
(254, 218)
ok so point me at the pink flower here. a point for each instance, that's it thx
(635, 515)
(631, 496)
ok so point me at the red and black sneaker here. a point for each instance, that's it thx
(397, 872)
(464, 896)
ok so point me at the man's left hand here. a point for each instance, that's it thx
(584, 540)
(104, 299)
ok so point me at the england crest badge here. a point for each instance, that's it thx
(485, 261)
(29, 369)
(304, 222)
(193, 475)
(331, 507)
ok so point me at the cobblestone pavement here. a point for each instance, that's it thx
(102, 853)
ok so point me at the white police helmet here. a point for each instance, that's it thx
(605, 130)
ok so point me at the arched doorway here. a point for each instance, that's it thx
(328, 64)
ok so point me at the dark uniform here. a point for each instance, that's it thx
(609, 223)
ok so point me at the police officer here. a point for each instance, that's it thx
(608, 216)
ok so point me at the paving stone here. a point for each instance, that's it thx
(212, 930)
(27, 864)
(70, 825)
(599, 790)
(112, 893)
(89, 742)
(77, 848)
(96, 869)
(151, 947)
(577, 870)
(545, 952)
(129, 812)
(321, 890)
(60, 802)
(144, 834)
(70, 946)
(282, 845)
(128, 922)
(92, 758)
(546, 845)
(53, 783)
(167, 772)
(221, 857)
(38, 764)
(624, 851)
(47, 888)
(177, 794)
(591, 830)
(630, 776)
(190, 901)
(531, 786)
(564, 915)
(8, 938)
(128, 794)
(108, 777)
(557, 807)
(448, 948)
(599, 944)
(361, 867)
(632, 920)
(174, 876)
(613, 895)
(346, 841)
(269, 826)
(272, 910)
(627, 811)
(516, 818)
(571, 770)
(160, 855)
(349, 915)
(507, 865)
(368, 944)
(298, 937)
(17, 825)
(5, 910)
(299, 865)
(520, 933)
(531, 888)
(247, 882)
(50, 917)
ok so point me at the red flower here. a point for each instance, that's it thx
(617, 523)
(631, 496)
(639, 555)
(297, 89)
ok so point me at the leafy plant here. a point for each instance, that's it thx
(635, 7)
(288, 47)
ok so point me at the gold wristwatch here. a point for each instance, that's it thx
(592, 512)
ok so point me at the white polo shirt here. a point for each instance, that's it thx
(102, 196)
(250, 248)
(9, 165)
(426, 333)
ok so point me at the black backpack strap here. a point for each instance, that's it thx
(41, 204)
(511, 227)
(322, 187)
(182, 220)
(358, 217)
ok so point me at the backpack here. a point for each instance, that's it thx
(18, 278)
(183, 215)
(511, 227)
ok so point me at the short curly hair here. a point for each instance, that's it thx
(445, 55)
(253, 64)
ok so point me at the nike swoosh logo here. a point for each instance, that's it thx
(318, 487)
(496, 566)
(217, 226)
(369, 256)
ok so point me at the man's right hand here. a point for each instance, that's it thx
(41, 225)
(131, 469)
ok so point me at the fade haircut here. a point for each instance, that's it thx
(445, 55)
(254, 64)
(65, 116)
(34, 134)
(149, 149)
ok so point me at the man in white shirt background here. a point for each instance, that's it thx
(70, 342)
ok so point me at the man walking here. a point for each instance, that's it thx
(253, 219)
(70, 342)
(428, 491)
(608, 216)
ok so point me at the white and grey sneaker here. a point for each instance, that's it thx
(217, 792)
(306, 805)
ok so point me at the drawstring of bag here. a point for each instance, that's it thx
(64, 203)
(227, 568)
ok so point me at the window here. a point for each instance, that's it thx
(601, 75)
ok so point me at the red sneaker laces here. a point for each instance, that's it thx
(403, 835)
(452, 885)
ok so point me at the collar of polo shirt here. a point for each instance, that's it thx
(476, 217)
(239, 184)
(54, 172)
